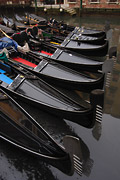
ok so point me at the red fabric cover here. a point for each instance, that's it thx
(46, 53)
(23, 61)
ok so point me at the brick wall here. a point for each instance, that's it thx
(101, 4)
(14, 2)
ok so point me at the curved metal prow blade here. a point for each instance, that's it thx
(108, 68)
(97, 101)
(73, 147)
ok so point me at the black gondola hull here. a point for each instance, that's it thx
(86, 49)
(85, 118)
(73, 60)
(82, 86)
(38, 93)
(54, 73)
(15, 129)
(77, 30)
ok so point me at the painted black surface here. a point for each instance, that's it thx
(22, 132)
(33, 90)
(54, 73)
(101, 160)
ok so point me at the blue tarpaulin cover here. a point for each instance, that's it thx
(1, 71)
(5, 79)
(7, 42)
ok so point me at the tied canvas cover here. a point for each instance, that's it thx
(7, 42)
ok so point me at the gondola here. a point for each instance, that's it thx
(90, 32)
(24, 20)
(85, 38)
(57, 74)
(69, 28)
(78, 30)
(86, 49)
(13, 24)
(23, 132)
(42, 21)
(60, 35)
(82, 48)
(79, 38)
(65, 57)
(21, 84)
(7, 30)
(53, 72)
(36, 18)
(19, 19)
(71, 59)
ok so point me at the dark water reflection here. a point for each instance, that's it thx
(100, 145)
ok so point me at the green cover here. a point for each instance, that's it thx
(3, 57)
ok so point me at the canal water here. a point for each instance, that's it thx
(100, 146)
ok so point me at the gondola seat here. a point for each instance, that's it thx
(21, 60)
